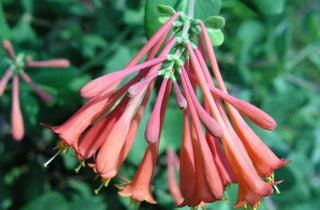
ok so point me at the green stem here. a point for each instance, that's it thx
(191, 9)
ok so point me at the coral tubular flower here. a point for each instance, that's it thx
(16, 115)
(218, 148)
(244, 131)
(140, 189)
(153, 126)
(19, 63)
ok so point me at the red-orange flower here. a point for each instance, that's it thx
(218, 148)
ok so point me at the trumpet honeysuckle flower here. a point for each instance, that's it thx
(18, 64)
(218, 147)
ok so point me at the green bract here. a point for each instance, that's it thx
(216, 36)
(202, 10)
(214, 22)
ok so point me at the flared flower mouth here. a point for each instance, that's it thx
(218, 147)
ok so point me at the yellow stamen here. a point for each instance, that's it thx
(276, 189)
(255, 207)
(119, 186)
(51, 159)
(82, 164)
(104, 183)
(270, 179)
(245, 207)
(63, 148)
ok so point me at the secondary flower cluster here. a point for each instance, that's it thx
(18, 64)
(218, 147)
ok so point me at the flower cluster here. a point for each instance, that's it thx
(218, 147)
(18, 64)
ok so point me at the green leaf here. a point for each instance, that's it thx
(93, 203)
(30, 107)
(91, 44)
(250, 32)
(32, 182)
(29, 35)
(215, 22)
(48, 201)
(165, 10)
(202, 10)
(70, 161)
(216, 36)
(206, 8)
(4, 27)
(269, 7)
(28, 5)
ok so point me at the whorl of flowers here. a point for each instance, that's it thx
(18, 65)
(218, 146)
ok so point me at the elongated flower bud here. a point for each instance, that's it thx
(55, 63)
(111, 81)
(181, 101)
(256, 115)
(17, 127)
(4, 80)
(9, 49)
(210, 123)
(136, 88)
(152, 132)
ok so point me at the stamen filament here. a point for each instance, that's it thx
(96, 191)
(52, 158)
(82, 164)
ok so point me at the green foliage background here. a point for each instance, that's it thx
(270, 57)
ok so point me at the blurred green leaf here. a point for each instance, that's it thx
(91, 44)
(118, 60)
(70, 160)
(30, 107)
(4, 27)
(93, 203)
(28, 5)
(48, 201)
(32, 182)
(82, 188)
(269, 7)
(24, 28)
